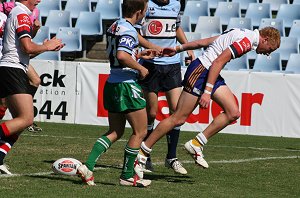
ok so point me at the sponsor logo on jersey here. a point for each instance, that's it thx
(126, 41)
(155, 27)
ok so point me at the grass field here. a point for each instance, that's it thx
(240, 166)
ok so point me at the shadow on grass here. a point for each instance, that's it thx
(170, 178)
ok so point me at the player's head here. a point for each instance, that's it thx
(30, 4)
(131, 7)
(269, 40)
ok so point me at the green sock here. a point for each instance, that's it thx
(101, 146)
(128, 165)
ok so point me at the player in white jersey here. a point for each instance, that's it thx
(160, 29)
(202, 82)
(14, 82)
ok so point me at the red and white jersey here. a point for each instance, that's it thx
(18, 25)
(3, 18)
(239, 41)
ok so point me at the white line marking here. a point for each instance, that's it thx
(184, 162)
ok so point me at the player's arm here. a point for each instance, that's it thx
(196, 44)
(182, 40)
(125, 59)
(147, 44)
(30, 47)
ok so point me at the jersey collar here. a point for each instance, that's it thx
(24, 8)
(256, 39)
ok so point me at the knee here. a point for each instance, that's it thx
(177, 121)
(234, 115)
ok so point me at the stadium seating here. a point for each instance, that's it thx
(57, 19)
(213, 4)
(237, 64)
(244, 3)
(275, 4)
(226, 10)
(276, 23)
(257, 11)
(77, 6)
(295, 30)
(90, 24)
(192, 36)
(194, 9)
(208, 26)
(288, 13)
(45, 6)
(269, 63)
(50, 55)
(186, 23)
(240, 23)
(288, 46)
(293, 64)
(109, 9)
(42, 34)
(71, 37)
(296, 1)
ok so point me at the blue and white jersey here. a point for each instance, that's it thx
(121, 36)
(159, 27)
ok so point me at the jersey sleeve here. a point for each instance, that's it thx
(241, 47)
(23, 28)
(128, 42)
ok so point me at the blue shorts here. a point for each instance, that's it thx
(195, 79)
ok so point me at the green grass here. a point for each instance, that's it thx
(229, 174)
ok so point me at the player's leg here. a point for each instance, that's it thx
(223, 97)
(117, 123)
(23, 106)
(3, 107)
(151, 107)
(173, 135)
(138, 122)
(35, 82)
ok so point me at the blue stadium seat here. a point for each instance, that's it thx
(45, 6)
(240, 23)
(208, 26)
(237, 64)
(296, 1)
(194, 9)
(192, 36)
(57, 19)
(257, 11)
(276, 23)
(275, 4)
(109, 9)
(293, 64)
(288, 46)
(288, 13)
(244, 3)
(42, 34)
(77, 6)
(295, 30)
(50, 55)
(71, 37)
(90, 24)
(226, 10)
(269, 63)
(186, 23)
(213, 4)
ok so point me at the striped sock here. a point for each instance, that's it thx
(100, 147)
(128, 165)
(4, 132)
(5, 146)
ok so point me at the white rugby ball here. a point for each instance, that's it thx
(66, 166)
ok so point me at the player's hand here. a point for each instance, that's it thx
(168, 51)
(204, 101)
(149, 53)
(53, 44)
(190, 57)
(143, 73)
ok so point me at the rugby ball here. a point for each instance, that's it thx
(66, 166)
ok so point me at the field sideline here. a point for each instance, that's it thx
(240, 166)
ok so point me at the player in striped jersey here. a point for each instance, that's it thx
(161, 28)
(203, 82)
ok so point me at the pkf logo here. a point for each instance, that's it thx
(155, 27)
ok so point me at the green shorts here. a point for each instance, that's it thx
(123, 97)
